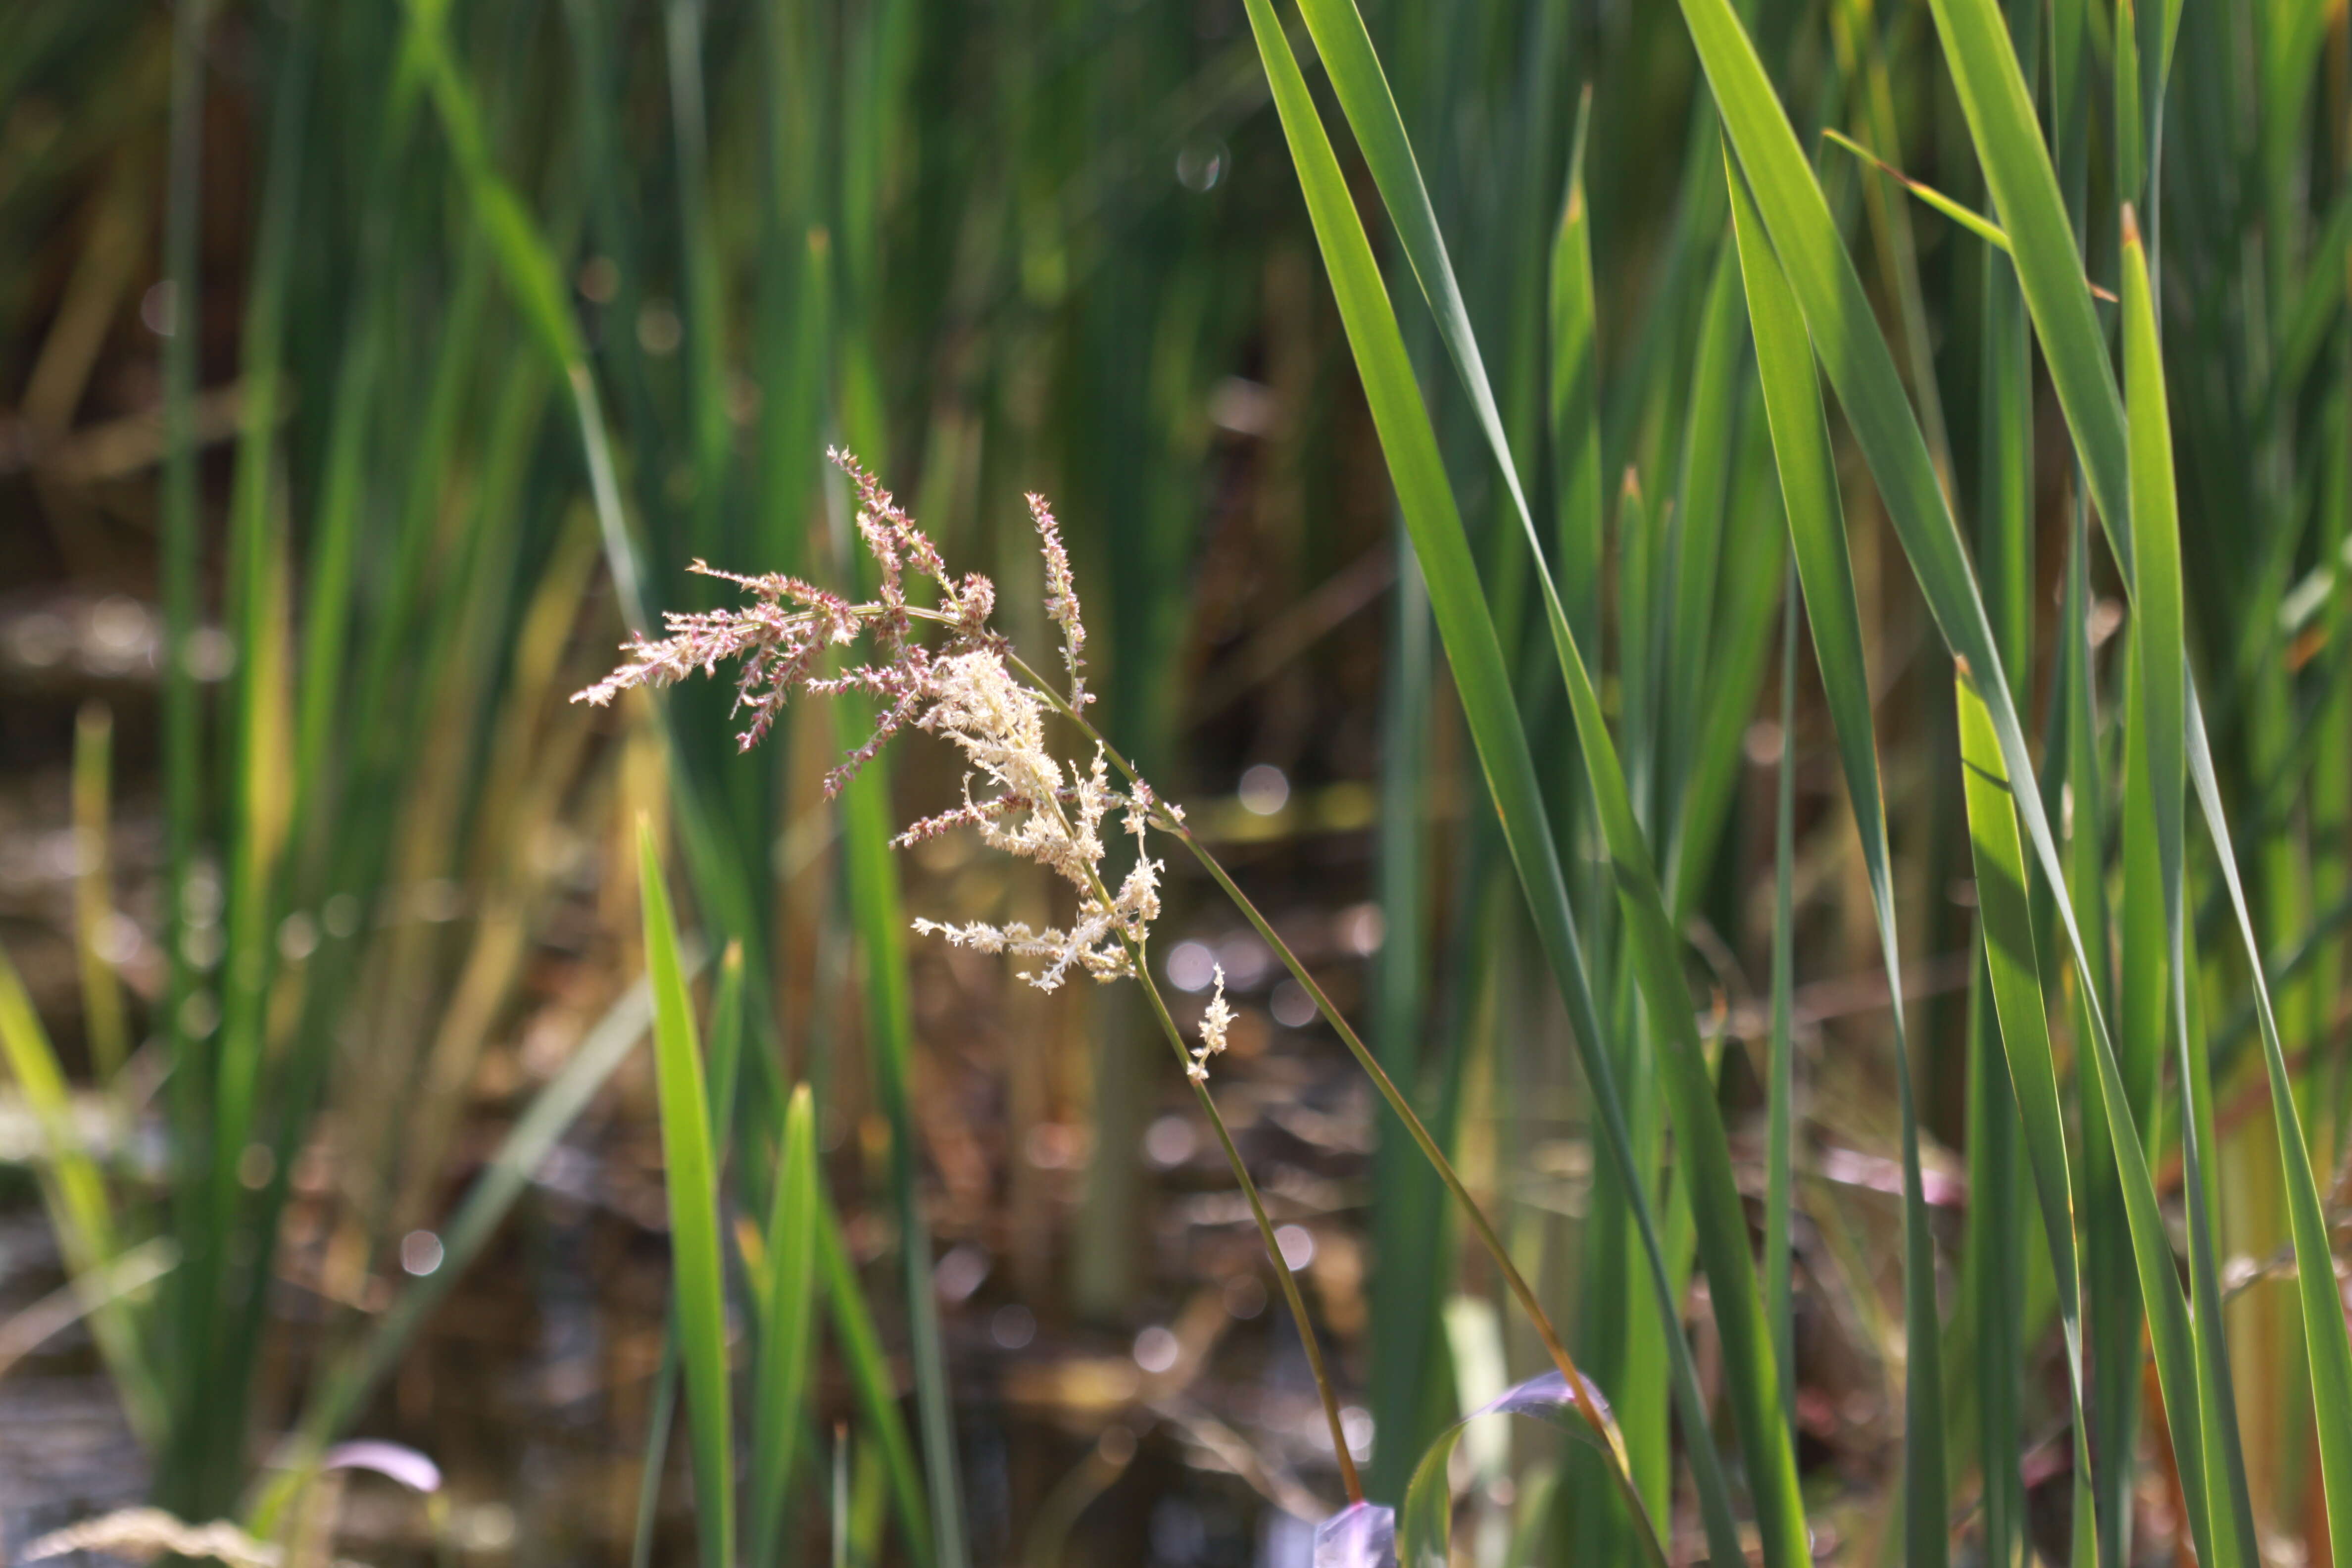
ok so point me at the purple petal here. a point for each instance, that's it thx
(1362, 1535)
(405, 1465)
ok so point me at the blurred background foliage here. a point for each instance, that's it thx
(369, 368)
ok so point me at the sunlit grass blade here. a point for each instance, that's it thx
(105, 1024)
(691, 1181)
(1467, 630)
(786, 1306)
(870, 1382)
(2012, 963)
(2112, 1311)
(1991, 83)
(1984, 229)
(75, 1198)
(1816, 522)
(2159, 636)
(1425, 1524)
(726, 1059)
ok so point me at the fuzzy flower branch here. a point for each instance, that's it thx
(968, 690)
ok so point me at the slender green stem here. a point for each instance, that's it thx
(1282, 1272)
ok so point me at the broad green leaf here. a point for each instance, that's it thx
(2013, 965)
(76, 1196)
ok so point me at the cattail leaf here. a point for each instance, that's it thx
(1466, 628)
(1816, 522)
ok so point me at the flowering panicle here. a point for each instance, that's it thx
(1214, 1021)
(1029, 803)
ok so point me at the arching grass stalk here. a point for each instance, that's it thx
(1174, 825)
(1196, 1073)
(1282, 1272)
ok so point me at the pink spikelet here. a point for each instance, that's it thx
(1062, 598)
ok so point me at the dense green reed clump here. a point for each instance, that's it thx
(1893, 1075)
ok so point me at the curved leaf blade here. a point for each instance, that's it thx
(690, 1178)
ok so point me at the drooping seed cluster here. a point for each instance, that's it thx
(1018, 795)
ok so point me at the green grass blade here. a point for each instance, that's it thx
(178, 548)
(2113, 1307)
(1991, 1334)
(1696, 548)
(655, 1461)
(2168, 699)
(2013, 968)
(1576, 398)
(691, 1181)
(1846, 339)
(1466, 628)
(2325, 1338)
(1799, 430)
(1780, 1072)
(528, 265)
(1976, 223)
(1993, 94)
(1409, 1201)
(2162, 715)
(786, 1314)
(2001, 867)
(726, 1059)
(870, 1382)
(873, 880)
